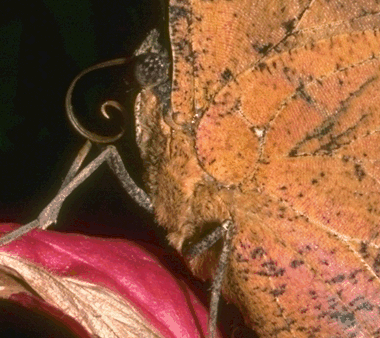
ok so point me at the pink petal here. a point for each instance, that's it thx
(122, 267)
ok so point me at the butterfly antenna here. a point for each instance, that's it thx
(70, 110)
(114, 162)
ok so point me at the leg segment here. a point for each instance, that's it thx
(49, 215)
(226, 231)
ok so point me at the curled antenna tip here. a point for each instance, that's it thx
(70, 110)
(110, 103)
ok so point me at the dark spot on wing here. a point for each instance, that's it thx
(270, 269)
(345, 317)
(289, 25)
(337, 279)
(279, 291)
(226, 75)
(364, 250)
(262, 49)
(296, 263)
(359, 172)
(376, 264)
(258, 253)
(301, 91)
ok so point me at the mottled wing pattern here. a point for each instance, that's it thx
(214, 41)
(278, 111)
(208, 51)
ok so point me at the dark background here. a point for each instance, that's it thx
(44, 44)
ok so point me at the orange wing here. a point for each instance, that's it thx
(214, 41)
(282, 102)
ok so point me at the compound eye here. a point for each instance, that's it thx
(151, 69)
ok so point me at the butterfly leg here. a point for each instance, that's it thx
(226, 231)
(139, 195)
(49, 215)
(83, 152)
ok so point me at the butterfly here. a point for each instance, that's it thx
(261, 155)
(272, 129)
